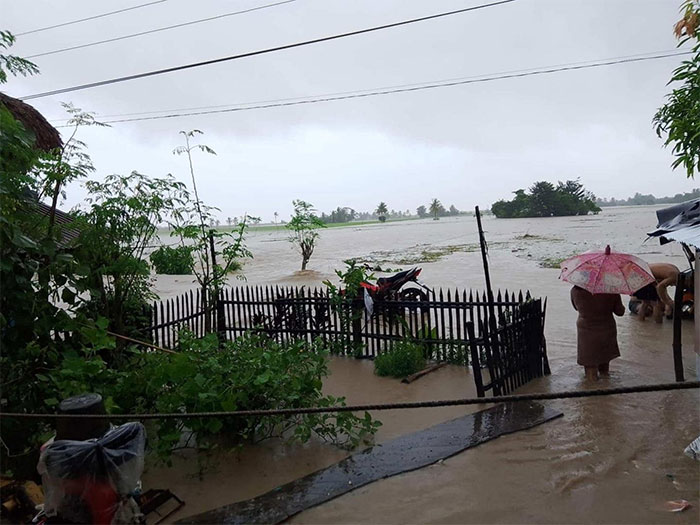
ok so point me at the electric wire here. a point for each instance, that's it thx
(333, 97)
(159, 29)
(261, 51)
(541, 396)
(89, 18)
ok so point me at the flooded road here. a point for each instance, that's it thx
(611, 460)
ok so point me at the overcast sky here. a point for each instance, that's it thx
(465, 145)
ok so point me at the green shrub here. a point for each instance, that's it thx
(173, 261)
(404, 359)
(253, 372)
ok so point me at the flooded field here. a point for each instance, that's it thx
(612, 460)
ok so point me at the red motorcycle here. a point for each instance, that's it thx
(392, 287)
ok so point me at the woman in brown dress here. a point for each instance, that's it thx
(597, 332)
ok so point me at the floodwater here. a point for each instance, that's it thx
(614, 459)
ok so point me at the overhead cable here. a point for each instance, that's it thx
(89, 18)
(159, 29)
(512, 398)
(261, 51)
(332, 97)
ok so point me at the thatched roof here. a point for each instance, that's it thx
(62, 220)
(46, 136)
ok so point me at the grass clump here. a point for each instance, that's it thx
(404, 359)
(552, 262)
(173, 261)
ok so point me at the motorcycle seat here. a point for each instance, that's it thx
(395, 277)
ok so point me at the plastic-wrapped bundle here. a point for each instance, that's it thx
(90, 481)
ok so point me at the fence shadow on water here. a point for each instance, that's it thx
(502, 340)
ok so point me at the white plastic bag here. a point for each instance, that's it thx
(693, 450)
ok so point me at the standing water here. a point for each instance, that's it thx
(614, 459)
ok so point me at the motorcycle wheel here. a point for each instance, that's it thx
(413, 294)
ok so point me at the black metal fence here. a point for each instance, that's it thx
(502, 339)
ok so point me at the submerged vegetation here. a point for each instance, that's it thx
(404, 359)
(417, 254)
(172, 261)
(303, 227)
(544, 199)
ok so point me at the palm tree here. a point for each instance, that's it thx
(435, 209)
(276, 215)
(381, 211)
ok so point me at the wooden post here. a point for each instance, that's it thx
(356, 311)
(476, 363)
(677, 320)
(484, 258)
(216, 301)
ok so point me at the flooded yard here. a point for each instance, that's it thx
(611, 460)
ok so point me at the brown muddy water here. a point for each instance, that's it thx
(609, 460)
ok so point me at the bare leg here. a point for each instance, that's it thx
(658, 312)
(591, 373)
(604, 369)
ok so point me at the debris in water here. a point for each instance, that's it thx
(693, 450)
(677, 506)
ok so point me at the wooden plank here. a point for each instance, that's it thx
(162, 321)
(443, 334)
(476, 362)
(154, 331)
(425, 371)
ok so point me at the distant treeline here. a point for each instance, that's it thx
(544, 199)
(642, 200)
(347, 214)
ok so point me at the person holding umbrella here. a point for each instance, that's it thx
(599, 278)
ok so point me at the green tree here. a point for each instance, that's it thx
(304, 226)
(121, 222)
(678, 121)
(11, 63)
(381, 211)
(436, 209)
(421, 211)
(40, 282)
(217, 252)
(543, 199)
(546, 200)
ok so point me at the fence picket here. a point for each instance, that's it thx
(505, 335)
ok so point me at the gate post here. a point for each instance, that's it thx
(220, 318)
(677, 312)
(356, 313)
(476, 364)
(218, 313)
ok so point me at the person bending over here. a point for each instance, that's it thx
(653, 299)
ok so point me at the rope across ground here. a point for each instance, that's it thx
(661, 387)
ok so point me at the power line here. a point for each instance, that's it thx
(520, 398)
(151, 31)
(262, 51)
(90, 18)
(404, 89)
